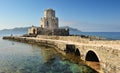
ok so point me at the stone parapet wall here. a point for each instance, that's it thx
(79, 39)
(55, 32)
(105, 42)
(65, 38)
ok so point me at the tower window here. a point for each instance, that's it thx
(47, 23)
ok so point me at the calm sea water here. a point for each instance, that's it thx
(108, 35)
(16, 57)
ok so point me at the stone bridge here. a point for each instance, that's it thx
(105, 53)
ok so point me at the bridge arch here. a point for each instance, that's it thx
(91, 56)
(70, 48)
(77, 52)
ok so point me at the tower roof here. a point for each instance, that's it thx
(49, 9)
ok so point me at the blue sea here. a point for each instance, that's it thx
(108, 35)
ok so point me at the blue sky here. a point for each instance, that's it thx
(86, 15)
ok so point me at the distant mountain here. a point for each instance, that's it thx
(24, 30)
(21, 29)
(14, 31)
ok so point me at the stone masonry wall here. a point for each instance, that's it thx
(65, 38)
(79, 39)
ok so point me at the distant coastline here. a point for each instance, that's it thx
(73, 31)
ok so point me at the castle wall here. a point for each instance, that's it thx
(58, 32)
(49, 23)
(32, 30)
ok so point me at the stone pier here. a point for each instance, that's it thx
(107, 53)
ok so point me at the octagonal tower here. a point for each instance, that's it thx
(49, 21)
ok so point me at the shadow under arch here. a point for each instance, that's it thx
(91, 56)
(70, 48)
(77, 52)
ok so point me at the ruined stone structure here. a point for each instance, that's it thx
(49, 25)
(32, 30)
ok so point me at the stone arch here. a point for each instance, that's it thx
(77, 52)
(91, 56)
(70, 48)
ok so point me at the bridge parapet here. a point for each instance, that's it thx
(80, 40)
(66, 38)
(111, 42)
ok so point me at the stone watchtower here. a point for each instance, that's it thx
(49, 25)
(49, 21)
